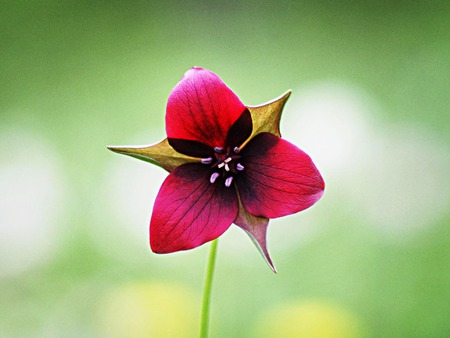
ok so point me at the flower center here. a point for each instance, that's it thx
(225, 164)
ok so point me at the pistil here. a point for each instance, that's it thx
(225, 164)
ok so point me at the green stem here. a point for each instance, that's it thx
(204, 324)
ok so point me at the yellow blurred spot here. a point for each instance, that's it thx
(150, 310)
(310, 319)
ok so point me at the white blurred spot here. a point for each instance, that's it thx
(130, 190)
(330, 122)
(393, 177)
(406, 183)
(32, 201)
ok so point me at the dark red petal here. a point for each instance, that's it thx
(240, 131)
(202, 108)
(279, 179)
(190, 211)
(191, 148)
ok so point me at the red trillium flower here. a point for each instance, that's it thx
(227, 164)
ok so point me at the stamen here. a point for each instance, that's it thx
(228, 181)
(207, 160)
(227, 168)
(221, 165)
(218, 150)
(228, 160)
(239, 167)
(213, 177)
(236, 150)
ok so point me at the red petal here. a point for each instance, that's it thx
(202, 108)
(190, 211)
(279, 179)
(240, 131)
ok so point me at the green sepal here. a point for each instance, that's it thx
(266, 117)
(256, 228)
(160, 154)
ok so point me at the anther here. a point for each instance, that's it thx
(227, 168)
(228, 181)
(239, 167)
(228, 160)
(236, 150)
(213, 177)
(218, 150)
(221, 165)
(207, 160)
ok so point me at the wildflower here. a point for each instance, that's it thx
(227, 164)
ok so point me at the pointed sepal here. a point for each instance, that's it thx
(256, 228)
(161, 154)
(266, 117)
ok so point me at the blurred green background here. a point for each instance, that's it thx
(370, 103)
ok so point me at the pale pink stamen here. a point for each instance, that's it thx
(213, 177)
(207, 160)
(228, 181)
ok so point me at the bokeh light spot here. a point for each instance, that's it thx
(394, 177)
(148, 309)
(33, 200)
(129, 190)
(309, 319)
